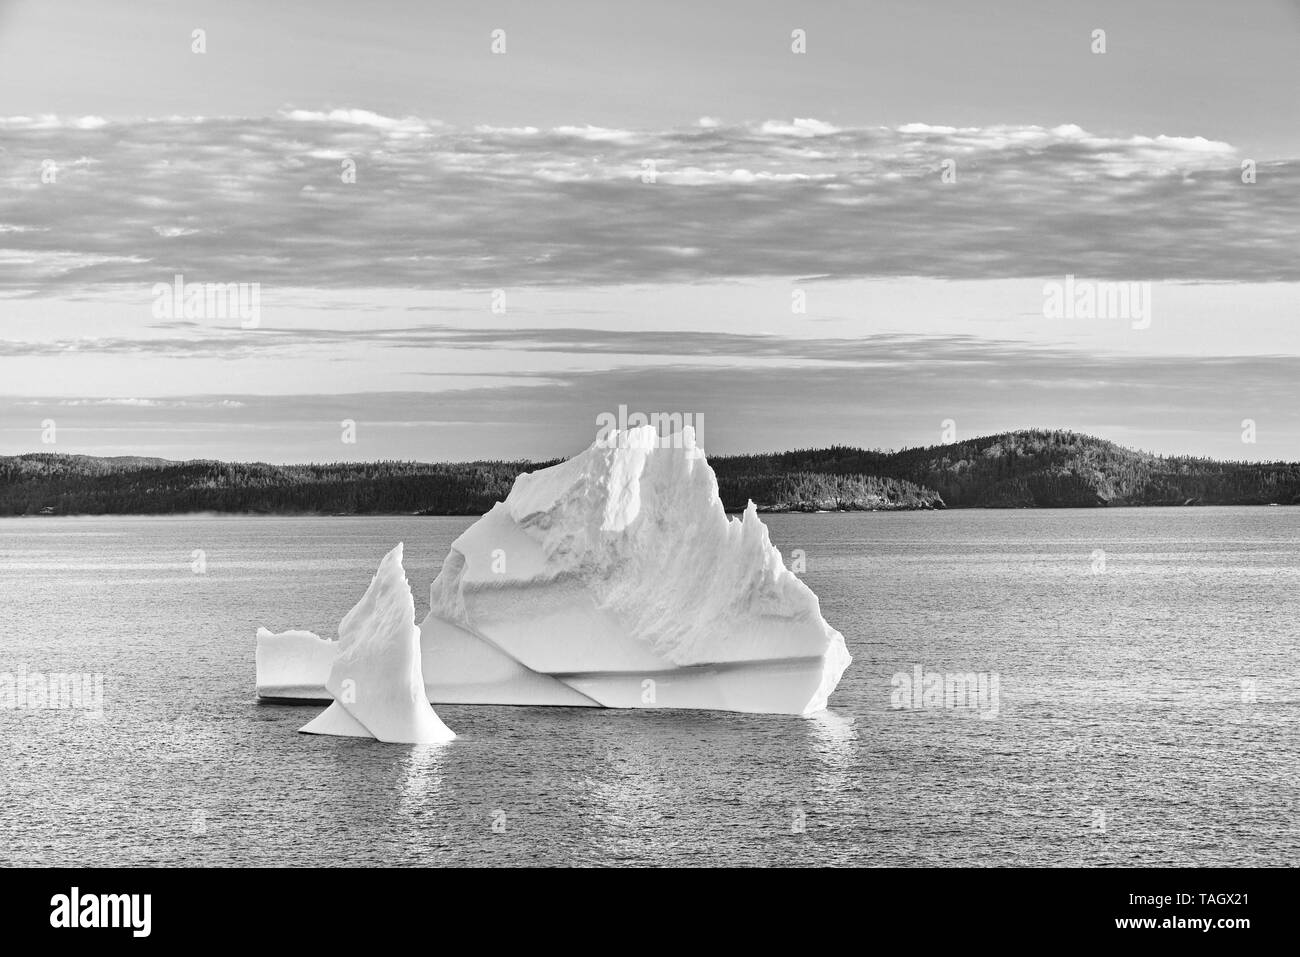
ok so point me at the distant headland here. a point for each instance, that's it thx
(1023, 469)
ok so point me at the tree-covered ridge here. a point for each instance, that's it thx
(811, 491)
(74, 484)
(1041, 468)
(1012, 470)
(77, 484)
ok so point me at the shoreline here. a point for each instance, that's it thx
(731, 512)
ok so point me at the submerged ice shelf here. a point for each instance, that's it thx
(614, 579)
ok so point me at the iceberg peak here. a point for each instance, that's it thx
(629, 541)
(377, 677)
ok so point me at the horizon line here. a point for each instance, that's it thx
(720, 455)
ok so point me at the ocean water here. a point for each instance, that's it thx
(1147, 698)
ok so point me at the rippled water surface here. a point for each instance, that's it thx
(1147, 709)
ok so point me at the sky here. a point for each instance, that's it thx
(459, 253)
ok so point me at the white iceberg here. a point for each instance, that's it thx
(614, 579)
(376, 677)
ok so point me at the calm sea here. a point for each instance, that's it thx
(1146, 667)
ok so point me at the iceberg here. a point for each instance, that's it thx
(376, 676)
(614, 579)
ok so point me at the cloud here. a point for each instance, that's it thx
(266, 200)
(136, 403)
(232, 343)
(49, 121)
(596, 134)
(1144, 402)
(798, 127)
(409, 124)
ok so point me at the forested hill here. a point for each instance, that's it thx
(1053, 469)
(1012, 470)
(77, 484)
